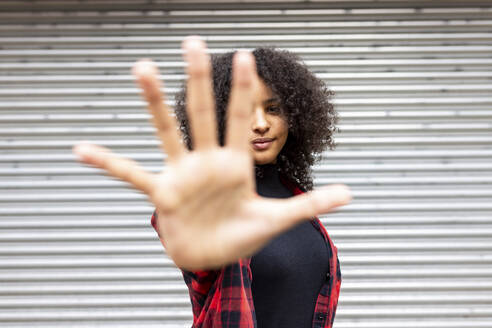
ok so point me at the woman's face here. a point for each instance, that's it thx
(269, 128)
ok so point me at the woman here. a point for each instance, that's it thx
(215, 211)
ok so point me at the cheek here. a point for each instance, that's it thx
(283, 132)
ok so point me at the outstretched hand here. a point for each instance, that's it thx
(209, 214)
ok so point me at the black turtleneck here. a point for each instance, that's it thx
(289, 271)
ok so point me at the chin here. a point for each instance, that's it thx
(261, 160)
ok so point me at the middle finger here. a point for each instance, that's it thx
(200, 104)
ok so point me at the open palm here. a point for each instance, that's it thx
(209, 213)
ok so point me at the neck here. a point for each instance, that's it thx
(268, 183)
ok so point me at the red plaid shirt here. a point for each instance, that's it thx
(223, 299)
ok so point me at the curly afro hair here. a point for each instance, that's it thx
(305, 101)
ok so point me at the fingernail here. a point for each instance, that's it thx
(340, 194)
(193, 43)
(82, 150)
(244, 57)
(144, 67)
(343, 193)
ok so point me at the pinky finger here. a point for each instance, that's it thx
(122, 168)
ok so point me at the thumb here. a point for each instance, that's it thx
(293, 210)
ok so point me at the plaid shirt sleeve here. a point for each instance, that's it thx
(228, 302)
(220, 298)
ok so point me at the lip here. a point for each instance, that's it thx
(262, 143)
(262, 140)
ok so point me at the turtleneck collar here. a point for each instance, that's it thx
(267, 170)
(268, 183)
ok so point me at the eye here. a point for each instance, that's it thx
(273, 109)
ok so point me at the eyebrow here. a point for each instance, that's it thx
(271, 100)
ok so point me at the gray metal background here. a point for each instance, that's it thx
(413, 82)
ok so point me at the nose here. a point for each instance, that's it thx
(260, 122)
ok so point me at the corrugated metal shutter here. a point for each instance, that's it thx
(413, 82)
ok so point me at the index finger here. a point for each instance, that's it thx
(146, 73)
